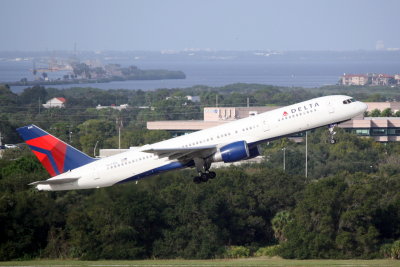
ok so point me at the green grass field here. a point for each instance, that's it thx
(200, 263)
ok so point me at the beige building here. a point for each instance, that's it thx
(394, 106)
(381, 129)
(381, 79)
(355, 79)
(233, 113)
(373, 79)
(213, 116)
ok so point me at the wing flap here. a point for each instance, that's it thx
(56, 181)
(179, 153)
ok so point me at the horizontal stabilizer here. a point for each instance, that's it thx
(56, 181)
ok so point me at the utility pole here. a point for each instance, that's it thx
(284, 159)
(70, 135)
(39, 105)
(216, 100)
(306, 156)
(248, 102)
(0, 140)
(119, 136)
(119, 124)
(94, 150)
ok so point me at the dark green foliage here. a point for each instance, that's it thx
(33, 95)
(348, 207)
(7, 97)
(350, 214)
(107, 227)
(341, 217)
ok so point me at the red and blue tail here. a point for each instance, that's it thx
(55, 155)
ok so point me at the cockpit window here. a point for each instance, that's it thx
(348, 101)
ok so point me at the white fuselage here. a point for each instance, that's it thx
(135, 164)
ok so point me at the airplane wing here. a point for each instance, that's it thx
(56, 181)
(181, 153)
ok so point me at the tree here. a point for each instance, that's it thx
(93, 131)
(33, 94)
(279, 222)
(387, 113)
(375, 113)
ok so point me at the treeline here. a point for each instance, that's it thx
(81, 123)
(347, 207)
(163, 104)
(387, 112)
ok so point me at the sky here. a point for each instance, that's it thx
(127, 25)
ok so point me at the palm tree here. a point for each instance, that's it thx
(279, 222)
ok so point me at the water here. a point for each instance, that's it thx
(284, 72)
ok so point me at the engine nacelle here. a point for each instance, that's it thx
(255, 151)
(232, 152)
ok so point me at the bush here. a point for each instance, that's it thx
(270, 251)
(386, 250)
(395, 251)
(237, 252)
(391, 250)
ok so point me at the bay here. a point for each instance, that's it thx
(291, 73)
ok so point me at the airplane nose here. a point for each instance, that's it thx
(364, 106)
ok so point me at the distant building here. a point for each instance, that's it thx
(113, 69)
(194, 98)
(213, 116)
(397, 79)
(381, 106)
(354, 79)
(56, 102)
(381, 129)
(232, 113)
(373, 79)
(188, 97)
(113, 106)
(381, 79)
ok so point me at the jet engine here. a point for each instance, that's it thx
(232, 152)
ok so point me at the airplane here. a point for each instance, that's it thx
(230, 142)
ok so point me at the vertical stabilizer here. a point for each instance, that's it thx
(55, 155)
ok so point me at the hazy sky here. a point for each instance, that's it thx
(215, 24)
